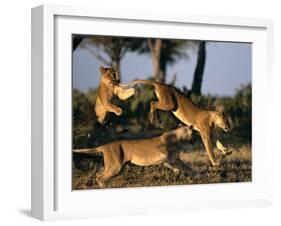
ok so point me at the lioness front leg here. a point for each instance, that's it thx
(206, 138)
(124, 94)
(175, 169)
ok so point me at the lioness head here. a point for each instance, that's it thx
(109, 73)
(184, 133)
(221, 120)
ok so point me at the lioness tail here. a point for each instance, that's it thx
(136, 82)
(87, 150)
(148, 82)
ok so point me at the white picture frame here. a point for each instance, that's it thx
(52, 197)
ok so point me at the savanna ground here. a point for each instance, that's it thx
(194, 165)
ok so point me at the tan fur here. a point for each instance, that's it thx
(170, 99)
(143, 152)
(109, 87)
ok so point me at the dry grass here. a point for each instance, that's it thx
(194, 165)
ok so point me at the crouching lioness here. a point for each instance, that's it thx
(143, 152)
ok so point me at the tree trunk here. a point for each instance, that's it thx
(159, 67)
(162, 71)
(116, 67)
(199, 70)
(155, 65)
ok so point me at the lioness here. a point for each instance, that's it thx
(171, 99)
(109, 86)
(143, 152)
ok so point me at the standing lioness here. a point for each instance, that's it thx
(171, 99)
(143, 152)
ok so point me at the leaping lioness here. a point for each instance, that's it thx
(109, 87)
(171, 99)
(143, 152)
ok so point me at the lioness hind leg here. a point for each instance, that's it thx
(112, 108)
(100, 180)
(108, 173)
(152, 114)
(159, 105)
(101, 118)
(101, 112)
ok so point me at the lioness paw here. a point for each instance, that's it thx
(100, 183)
(215, 163)
(176, 171)
(119, 111)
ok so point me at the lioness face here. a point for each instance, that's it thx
(185, 132)
(222, 121)
(110, 73)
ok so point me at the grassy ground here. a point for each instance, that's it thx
(194, 165)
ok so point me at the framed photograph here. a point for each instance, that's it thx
(137, 112)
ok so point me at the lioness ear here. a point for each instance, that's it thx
(219, 109)
(102, 69)
(180, 125)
